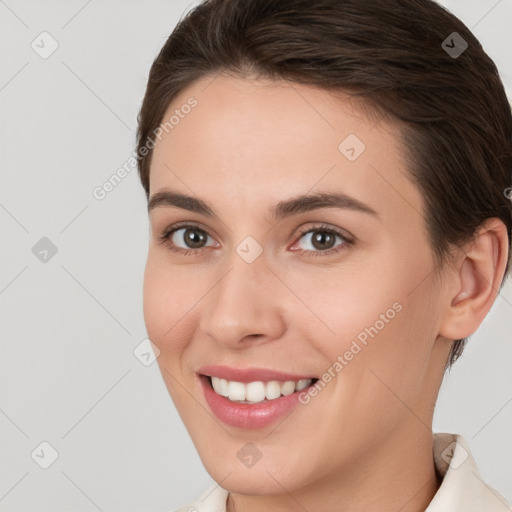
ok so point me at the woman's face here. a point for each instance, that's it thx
(262, 287)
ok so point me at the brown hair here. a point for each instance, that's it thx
(456, 119)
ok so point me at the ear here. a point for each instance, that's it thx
(477, 277)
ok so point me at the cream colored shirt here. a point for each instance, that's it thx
(462, 489)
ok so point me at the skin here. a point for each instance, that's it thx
(366, 439)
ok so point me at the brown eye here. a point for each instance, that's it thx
(185, 239)
(321, 241)
(193, 237)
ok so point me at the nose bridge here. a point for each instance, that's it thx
(242, 303)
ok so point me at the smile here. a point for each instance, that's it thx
(257, 391)
(251, 398)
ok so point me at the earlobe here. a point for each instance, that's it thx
(479, 274)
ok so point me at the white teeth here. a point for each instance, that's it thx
(223, 387)
(220, 386)
(255, 392)
(302, 384)
(236, 390)
(272, 390)
(288, 387)
(216, 386)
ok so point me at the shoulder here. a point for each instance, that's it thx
(462, 487)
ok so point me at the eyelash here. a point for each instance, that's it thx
(164, 240)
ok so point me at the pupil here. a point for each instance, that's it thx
(319, 240)
(193, 238)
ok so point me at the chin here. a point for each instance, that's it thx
(266, 476)
(251, 481)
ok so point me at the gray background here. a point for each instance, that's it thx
(69, 325)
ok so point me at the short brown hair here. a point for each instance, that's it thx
(456, 119)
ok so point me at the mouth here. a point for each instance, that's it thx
(251, 398)
(256, 392)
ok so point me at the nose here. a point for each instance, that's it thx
(246, 305)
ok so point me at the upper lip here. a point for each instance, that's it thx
(249, 374)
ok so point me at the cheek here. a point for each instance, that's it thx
(170, 295)
(168, 313)
(381, 331)
(345, 305)
(388, 375)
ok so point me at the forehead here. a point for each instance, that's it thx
(228, 108)
(248, 138)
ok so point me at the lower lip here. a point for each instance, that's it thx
(250, 416)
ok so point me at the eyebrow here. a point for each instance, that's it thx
(285, 208)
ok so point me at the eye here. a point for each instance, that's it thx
(320, 241)
(191, 235)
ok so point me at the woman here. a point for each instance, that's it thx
(328, 191)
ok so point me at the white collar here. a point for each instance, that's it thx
(462, 488)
